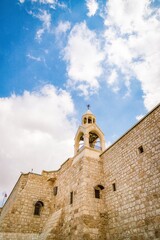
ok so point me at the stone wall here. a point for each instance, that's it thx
(134, 208)
(59, 219)
(128, 206)
(18, 236)
(18, 213)
(83, 219)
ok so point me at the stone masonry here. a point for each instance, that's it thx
(97, 194)
(134, 208)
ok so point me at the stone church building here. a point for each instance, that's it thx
(98, 194)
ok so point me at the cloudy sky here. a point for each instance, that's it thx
(58, 56)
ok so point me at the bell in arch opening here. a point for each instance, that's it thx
(89, 134)
(94, 141)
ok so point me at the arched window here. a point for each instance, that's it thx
(85, 120)
(38, 207)
(97, 191)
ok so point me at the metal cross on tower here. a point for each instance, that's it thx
(88, 106)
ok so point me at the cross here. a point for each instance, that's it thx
(88, 106)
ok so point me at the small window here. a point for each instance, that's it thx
(141, 150)
(114, 186)
(85, 120)
(97, 193)
(71, 197)
(38, 207)
(55, 190)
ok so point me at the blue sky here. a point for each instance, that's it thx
(58, 56)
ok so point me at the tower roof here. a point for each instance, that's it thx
(88, 112)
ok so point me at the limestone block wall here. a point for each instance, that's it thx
(84, 217)
(19, 236)
(134, 173)
(18, 214)
(93, 209)
(12, 198)
(128, 206)
(64, 220)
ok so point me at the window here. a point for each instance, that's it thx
(55, 190)
(85, 120)
(97, 193)
(71, 197)
(38, 207)
(141, 150)
(114, 187)
(89, 120)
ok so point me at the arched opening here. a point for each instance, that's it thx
(89, 120)
(38, 207)
(94, 141)
(85, 120)
(97, 191)
(81, 141)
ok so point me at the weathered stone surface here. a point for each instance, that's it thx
(133, 209)
(129, 189)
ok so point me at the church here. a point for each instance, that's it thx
(98, 194)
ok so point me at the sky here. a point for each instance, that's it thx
(58, 56)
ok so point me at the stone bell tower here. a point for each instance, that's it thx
(89, 136)
(90, 195)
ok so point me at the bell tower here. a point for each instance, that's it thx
(89, 135)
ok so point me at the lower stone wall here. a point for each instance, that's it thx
(18, 236)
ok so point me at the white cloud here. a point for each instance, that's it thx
(45, 18)
(51, 3)
(132, 44)
(62, 5)
(128, 16)
(39, 34)
(112, 80)
(108, 144)
(84, 58)
(92, 6)
(37, 59)
(62, 27)
(45, 1)
(139, 117)
(37, 131)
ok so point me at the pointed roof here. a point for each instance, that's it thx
(88, 112)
